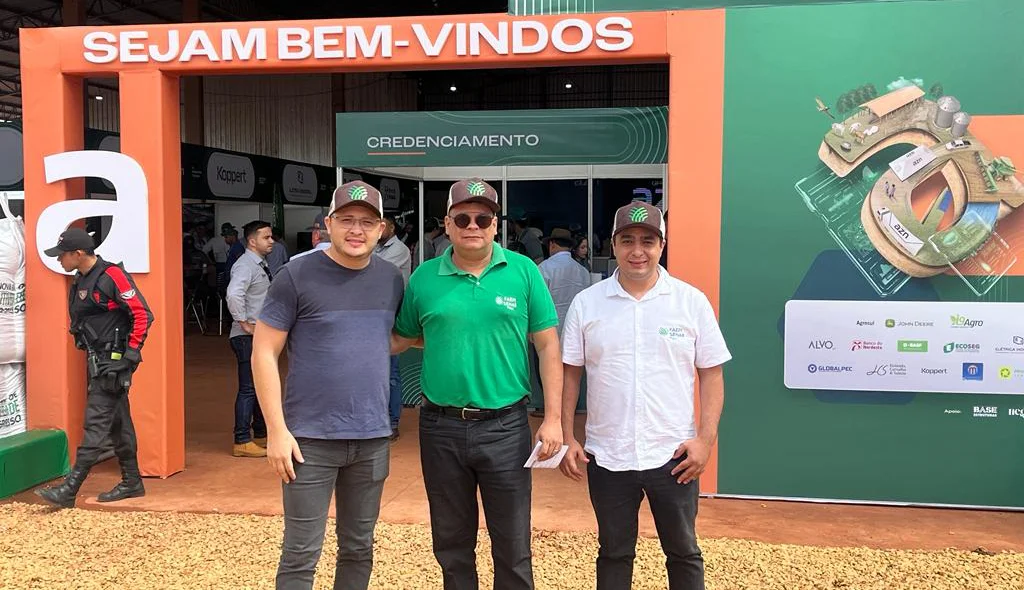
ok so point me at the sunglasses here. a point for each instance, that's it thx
(483, 220)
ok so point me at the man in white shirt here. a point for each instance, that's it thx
(396, 252)
(641, 334)
(565, 278)
(320, 239)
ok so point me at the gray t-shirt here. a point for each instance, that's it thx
(339, 340)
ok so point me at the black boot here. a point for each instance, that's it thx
(64, 494)
(130, 485)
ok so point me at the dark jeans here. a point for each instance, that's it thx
(458, 457)
(107, 416)
(247, 408)
(354, 471)
(395, 405)
(616, 497)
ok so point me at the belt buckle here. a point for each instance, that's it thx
(470, 410)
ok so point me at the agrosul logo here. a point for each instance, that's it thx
(476, 188)
(638, 214)
(358, 193)
(959, 321)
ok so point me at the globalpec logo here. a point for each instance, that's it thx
(638, 214)
(476, 188)
(812, 368)
(959, 321)
(358, 193)
(974, 371)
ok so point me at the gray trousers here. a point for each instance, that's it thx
(353, 470)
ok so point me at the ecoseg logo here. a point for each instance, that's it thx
(950, 347)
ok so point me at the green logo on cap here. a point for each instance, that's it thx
(638, 214)
(358, 193)
(476, 188)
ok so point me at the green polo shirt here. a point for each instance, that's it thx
(474, 330)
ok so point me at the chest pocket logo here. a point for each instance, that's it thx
(82, 294)
(673, 333)
(509, 303)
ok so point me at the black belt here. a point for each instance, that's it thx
(471, 414)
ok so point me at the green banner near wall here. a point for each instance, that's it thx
(534, 7)
(499, 138)
(900, 364)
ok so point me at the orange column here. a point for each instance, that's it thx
(151, 134)
(53, 115)
(696, 45)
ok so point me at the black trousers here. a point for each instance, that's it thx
(107, 415)
(458, 458)
(616, 497)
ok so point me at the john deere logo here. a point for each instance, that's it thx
(476, 188)
(638, 214)
(358, 193)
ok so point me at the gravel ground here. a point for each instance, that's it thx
(84, 549)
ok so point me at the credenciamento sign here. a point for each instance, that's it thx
(636, 135)
(507, 37)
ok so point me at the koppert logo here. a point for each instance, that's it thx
(358, 193)
(638, 214)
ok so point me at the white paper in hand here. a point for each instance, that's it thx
(551, 463)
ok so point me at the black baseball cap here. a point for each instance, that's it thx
(73, 238)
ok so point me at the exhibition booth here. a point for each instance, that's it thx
(824, 209)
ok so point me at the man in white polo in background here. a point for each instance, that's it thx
(320, 239)
(392, 249)
(641, 334)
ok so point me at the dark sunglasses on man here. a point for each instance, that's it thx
(483, 220)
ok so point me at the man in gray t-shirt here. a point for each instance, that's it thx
(334, 309)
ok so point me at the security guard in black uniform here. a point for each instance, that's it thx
(110, 321)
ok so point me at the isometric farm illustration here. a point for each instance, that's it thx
(908, 191)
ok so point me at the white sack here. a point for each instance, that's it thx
(12, 287)
(12, 399)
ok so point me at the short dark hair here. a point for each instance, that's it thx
(89, 252)
(250, 229)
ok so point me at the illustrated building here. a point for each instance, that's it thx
(892, 103)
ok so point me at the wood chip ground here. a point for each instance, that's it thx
(84, 549)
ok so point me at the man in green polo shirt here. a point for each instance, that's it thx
(475, 306)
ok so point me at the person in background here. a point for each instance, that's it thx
(247, 290)
(431, 230)
(529, 237)
(475, 307)
(321, 240)
(235, 249)
(278, 256)
(217, 247)
(392, 249)
(565, 278)
(110, 320)
(581, 252)
(641, 334)
(329, 434)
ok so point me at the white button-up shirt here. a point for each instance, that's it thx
(565, 278)
(640, 359)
